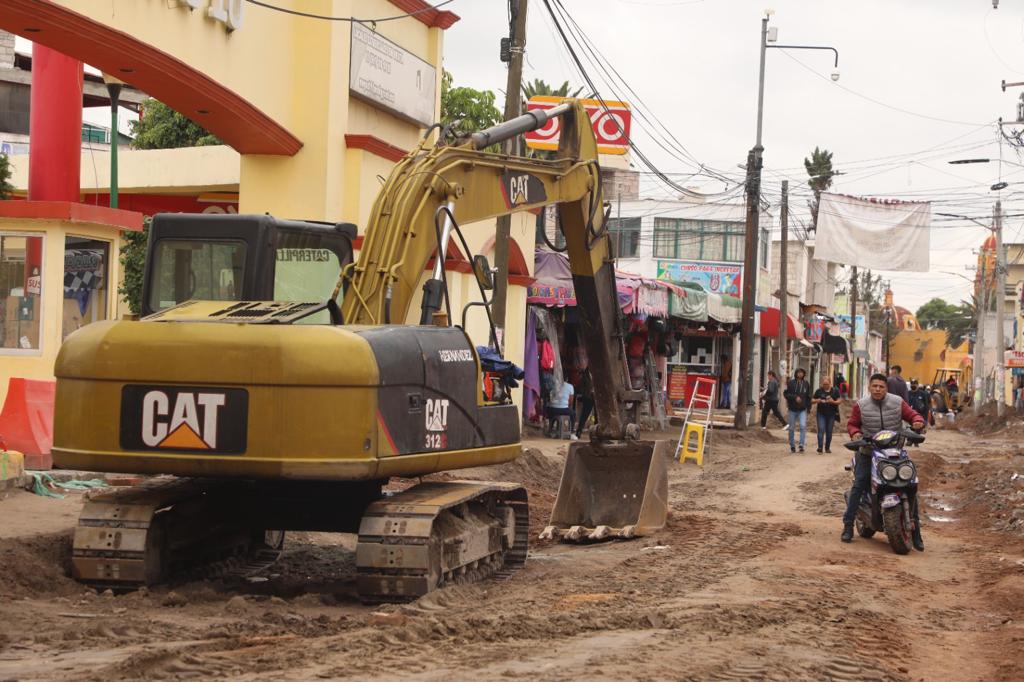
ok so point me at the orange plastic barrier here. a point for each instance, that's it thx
(26, 423)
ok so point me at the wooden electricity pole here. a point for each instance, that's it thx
(517, 45)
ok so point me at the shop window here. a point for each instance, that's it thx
(625, 236)
(202, 270)
(698, 239)
(21, 263)
(86, 282)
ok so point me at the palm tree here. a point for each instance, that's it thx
(540, 87)
(819, 170)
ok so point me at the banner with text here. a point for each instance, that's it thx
(877, 234)
(718, 278)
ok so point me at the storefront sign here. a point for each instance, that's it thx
(718, 278)
(1014, 358)
(677, 383)
(391, 77)
(610, 121)
(844, 325)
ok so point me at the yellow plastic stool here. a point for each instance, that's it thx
(695, 453)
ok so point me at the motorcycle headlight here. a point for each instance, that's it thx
(889, 473)
(906, 472)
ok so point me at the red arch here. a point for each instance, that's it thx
(189, 91)
(518, 270)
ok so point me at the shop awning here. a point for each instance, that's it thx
(637, 295)
(728, 309)
(691, 303)
(770, 324)
(836, 345)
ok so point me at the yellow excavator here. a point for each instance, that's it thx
(267, 406)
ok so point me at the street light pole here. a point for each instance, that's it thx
(114, 86)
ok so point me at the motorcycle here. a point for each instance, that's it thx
(888, 506)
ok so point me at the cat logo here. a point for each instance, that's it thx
(522, 188)
(184, 430)
(184, 418)
(437, 414)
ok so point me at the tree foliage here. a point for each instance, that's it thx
(133, 264)
(466, 109)
(161, 127)
(6, 188)
(957, 320)
(539, 87)
(820, 174)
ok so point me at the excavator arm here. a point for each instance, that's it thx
(615, 485)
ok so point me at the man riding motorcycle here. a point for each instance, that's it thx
(877, 411)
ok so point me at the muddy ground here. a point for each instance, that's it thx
(748, 581)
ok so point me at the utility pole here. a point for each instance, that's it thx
(854, 370)
(783, 282)
(517, 45)
(746, 373)
(1000, 280)
(979, 339)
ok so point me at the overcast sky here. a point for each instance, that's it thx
(919, 85)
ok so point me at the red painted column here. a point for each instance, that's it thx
(55, 136)
(55, 126)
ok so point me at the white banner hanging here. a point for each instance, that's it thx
(876, 234)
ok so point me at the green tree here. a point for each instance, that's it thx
(133, 263)
(937, 314)
(960, 325)
(161, 127)
(539, 87)
(820, 174)
(6, 188)
(465, 109)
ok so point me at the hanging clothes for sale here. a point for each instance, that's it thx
(550, 333)
(531, 379)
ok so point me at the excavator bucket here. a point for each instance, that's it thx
(611, 490)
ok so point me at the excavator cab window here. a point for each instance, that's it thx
(306, 269)
(196, 269)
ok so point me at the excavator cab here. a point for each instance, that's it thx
(241, 258)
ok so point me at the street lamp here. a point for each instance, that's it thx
(114, 86)
(744, 394)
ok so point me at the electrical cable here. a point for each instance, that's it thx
(356, 20)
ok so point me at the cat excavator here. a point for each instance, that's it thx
(260, 407)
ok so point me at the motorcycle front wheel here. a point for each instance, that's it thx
(864, 530)
(897, 527)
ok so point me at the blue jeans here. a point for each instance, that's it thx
(794, 416)
(826, 422)
(861, 484)
(726, 400)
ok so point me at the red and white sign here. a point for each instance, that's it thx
(1014, 358)
(610, 121)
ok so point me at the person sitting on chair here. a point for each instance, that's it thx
(561, 405)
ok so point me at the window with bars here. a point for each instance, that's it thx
(625, 236)
(698, 239)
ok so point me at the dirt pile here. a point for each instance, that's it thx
(36, 565)
(987, 422)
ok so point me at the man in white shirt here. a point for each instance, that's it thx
(561, 404)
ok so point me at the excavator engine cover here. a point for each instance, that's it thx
(611, 489)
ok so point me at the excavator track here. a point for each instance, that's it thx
(164, 529)
(440, 533)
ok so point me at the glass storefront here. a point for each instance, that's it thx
(21, 259)
(86, 282)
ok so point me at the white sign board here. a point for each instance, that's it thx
(391, 77)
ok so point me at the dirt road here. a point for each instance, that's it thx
(748, 581)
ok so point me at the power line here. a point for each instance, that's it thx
(323, 17)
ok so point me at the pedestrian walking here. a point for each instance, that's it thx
(827, 400)
(920, 399)
(725, 379)
(770, 401)
(895, 384)
(798, 398)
